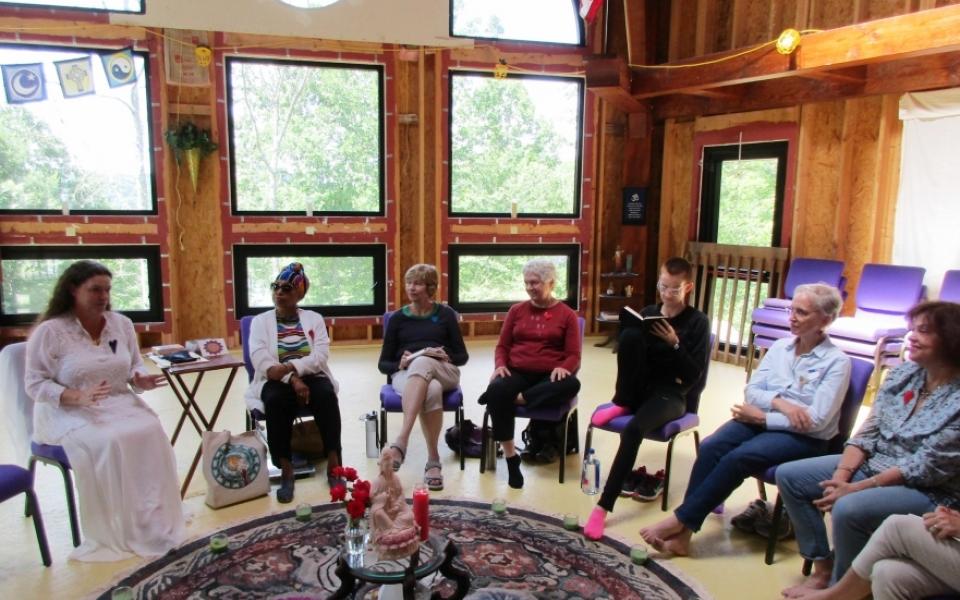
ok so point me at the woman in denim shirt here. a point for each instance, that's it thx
(904, 460)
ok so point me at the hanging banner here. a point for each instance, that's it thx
(76, 76)
(119, 67)
(24, 83)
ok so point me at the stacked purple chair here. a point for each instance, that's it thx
(566, 412)
(16, 480)
(771, 321)
(884, 296)
(391, 402)
(44, 453)
(950, 290)
(686, 424)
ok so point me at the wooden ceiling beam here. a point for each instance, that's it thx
(609, 78)
(851, 75)
(910, 75)
(929, 32)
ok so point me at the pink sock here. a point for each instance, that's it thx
(593, 530)
(602, 416)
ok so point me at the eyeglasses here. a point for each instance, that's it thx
(286, 288)
(669, 291)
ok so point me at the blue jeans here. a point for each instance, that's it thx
(854, 516)
(730, 455)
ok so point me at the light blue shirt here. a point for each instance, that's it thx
(817, 381)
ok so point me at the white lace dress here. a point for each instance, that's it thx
(124, 464)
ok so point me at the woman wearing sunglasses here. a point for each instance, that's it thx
(289, 347)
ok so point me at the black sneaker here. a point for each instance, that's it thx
(630, 482)
(649, 487)
(758, 510)
(763, 526)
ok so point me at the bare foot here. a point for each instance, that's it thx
(678, 545)
(663, 530)
(812, 585)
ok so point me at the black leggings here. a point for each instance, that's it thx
(282, 408)
(538, 390)
(652, 403)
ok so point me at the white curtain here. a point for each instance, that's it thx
(927, 226)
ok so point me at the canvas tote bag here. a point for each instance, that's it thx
(235, 467)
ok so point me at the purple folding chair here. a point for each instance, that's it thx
(17, 480)
(391, 402)
(884, 296)
(44, 453)
(860, 373)
(670, 431)
(950, 289)
(566, 412)
(772, 320)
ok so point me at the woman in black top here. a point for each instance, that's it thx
(422, 348)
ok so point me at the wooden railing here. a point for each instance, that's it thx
(730, 282)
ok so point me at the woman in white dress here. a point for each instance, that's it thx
(83, 365)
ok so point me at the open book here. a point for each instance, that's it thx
(643, 318)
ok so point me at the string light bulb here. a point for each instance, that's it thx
(203, 55)
(788, 41)
(501, 69)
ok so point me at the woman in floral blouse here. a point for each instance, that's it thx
(904, 460)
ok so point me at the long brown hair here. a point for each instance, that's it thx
(62, 301)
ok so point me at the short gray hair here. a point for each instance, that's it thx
(542, 268)
(825, 297)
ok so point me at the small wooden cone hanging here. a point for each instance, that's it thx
(192, 157)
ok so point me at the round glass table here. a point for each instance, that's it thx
(436, 554)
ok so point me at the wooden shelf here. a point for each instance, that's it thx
(619, 275)
(190, 109)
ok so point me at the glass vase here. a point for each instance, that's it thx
(355, 539)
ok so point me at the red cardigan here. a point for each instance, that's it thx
(539, 339)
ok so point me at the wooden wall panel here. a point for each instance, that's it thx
(827, 14)
(821, 126)
(879, 9)
(678, 169)
(682, 39)
(754, 22)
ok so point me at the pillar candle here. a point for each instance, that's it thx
(421, 509)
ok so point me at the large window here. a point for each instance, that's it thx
(126, 6)
(551, 21)
(515, 145)
(345, 280)
(488, 278)
(305, 138)
(30, 273)
(70, 141)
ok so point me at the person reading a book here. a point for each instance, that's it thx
(662, 354)
(536, 359)
(289, 348)
(85, 374)
(791, 410)
(422, 352)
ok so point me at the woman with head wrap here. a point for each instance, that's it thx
(289, 347)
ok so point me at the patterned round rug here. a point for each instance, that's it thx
(524, 551)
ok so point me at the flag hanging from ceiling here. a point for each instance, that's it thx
(589, 9)
(119, 67)
(76, 76)
(24, 83)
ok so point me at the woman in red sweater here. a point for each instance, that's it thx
(536, 358)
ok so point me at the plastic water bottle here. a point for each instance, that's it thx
(590, 474)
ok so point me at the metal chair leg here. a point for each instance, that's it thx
(383, 427)
(666, 477)
(34, 507)
(774, 529)
(762, 490)
(71, 505)
(459, 420)
(484, 442)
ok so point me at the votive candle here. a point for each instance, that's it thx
(304, 511)
(219, 543)
(571, 522)
(421, 509)
(638, 554)
(499, 506)
(122, 592)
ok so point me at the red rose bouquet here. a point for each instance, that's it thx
(359, 491)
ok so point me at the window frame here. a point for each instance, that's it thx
(23, 6)
(151, 114)
(455, 251)
(150, 252)
(578, 159)
(713, 158)
(581, 32)
(232, 146)
(242, 252)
